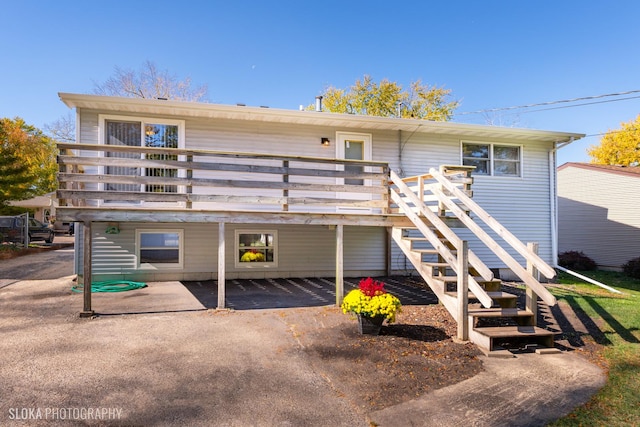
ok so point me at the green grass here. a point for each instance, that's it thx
(616, 326)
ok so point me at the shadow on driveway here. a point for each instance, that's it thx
(248, 294)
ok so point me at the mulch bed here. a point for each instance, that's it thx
(409, 358)
(418, 354)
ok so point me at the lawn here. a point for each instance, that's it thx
(616, 326)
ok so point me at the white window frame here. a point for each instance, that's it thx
(144, 120)
(255, 265)
(492, 160)
(160, 266)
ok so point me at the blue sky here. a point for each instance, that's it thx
(282, 54)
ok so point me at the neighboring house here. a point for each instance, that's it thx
(44, 207)
(169, 190)
(598, 212)
(44, 210)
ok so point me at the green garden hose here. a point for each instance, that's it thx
(111, 286)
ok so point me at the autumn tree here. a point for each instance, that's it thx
(618, 147)
(149, 82)
(389, 99)
(27, 161)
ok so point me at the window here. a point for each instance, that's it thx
(492, 159)
(160, 248)
(142, 133)
(256, 249)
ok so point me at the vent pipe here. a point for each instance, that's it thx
(319, 103)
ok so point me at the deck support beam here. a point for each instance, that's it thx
(221, 266)
(339, 264)
(532, 298)
(86, 270)
(463, 291)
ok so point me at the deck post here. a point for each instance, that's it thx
(463, 291)
(339, 264)
(221, 266)
(86, 269)
(532, 298)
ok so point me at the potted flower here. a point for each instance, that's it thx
(372, 304)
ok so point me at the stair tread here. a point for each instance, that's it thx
(492, 294)
(513, 331)
(425, 251)
(499, 312)
(454, 279)
(435, 264)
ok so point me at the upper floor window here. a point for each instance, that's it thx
(132, 132)
(493, 159)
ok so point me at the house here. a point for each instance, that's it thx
(44, 210)
(598, 212)
(170, 190)
(44, 207)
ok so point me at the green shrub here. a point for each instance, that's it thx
(632, 268)
(575, 260)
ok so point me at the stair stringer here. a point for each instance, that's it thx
(437, 286)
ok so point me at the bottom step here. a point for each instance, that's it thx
(493, 338)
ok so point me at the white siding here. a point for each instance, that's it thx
(599, 215)
(522, 204)
(303, 251)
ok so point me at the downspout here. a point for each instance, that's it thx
(553, 198)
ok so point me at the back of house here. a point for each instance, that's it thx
(283, 229)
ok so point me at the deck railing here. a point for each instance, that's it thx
(148, 177)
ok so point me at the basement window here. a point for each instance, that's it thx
(256, 248)
(493, 159)
(160, 248)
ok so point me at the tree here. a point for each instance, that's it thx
(389, 99)
(618, 147)
(63, 129)
(149, 82)
(27, 161)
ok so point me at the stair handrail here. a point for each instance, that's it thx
(500, 230)
(474, 260)
(505, 234)
(444, 251)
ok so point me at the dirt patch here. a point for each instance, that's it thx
(409, 358)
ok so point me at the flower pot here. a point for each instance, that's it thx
(369, 325)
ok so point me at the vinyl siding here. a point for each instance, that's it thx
(522, 204)
(303, 251)
(599, 215)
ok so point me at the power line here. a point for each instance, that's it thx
(563, 101)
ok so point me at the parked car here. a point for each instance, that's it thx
(63, 227)
(12, 229)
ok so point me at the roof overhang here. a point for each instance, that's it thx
(311, 118)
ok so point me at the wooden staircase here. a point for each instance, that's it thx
(439, 202)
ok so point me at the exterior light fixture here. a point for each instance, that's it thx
(324, 141)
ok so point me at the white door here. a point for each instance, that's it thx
(353, 146)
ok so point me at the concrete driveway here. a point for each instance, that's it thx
(181, 364)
